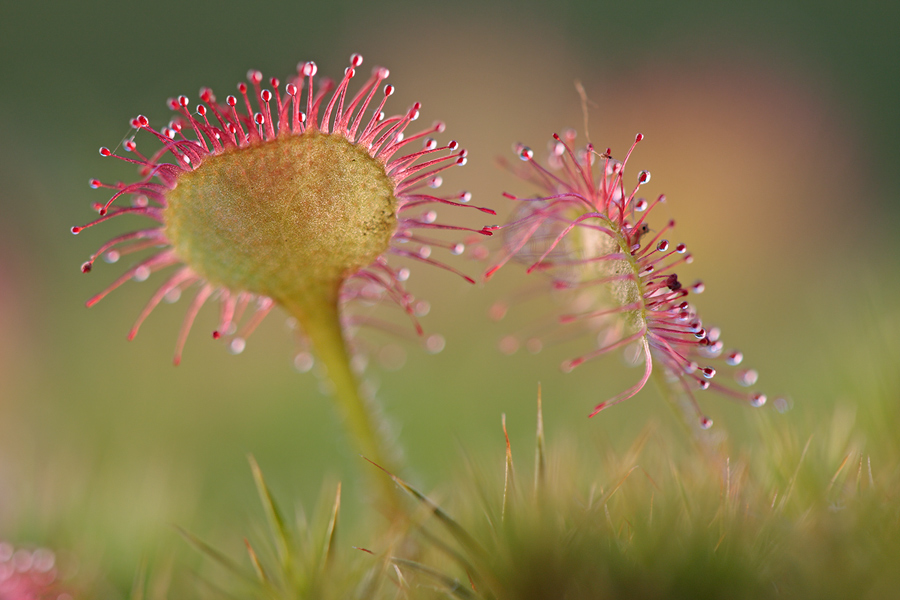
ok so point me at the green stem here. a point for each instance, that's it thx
(321, 323)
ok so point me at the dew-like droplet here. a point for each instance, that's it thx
(734, 358)
(640, 205)
(643, 177)
(435, 343)
(782, 404)
(757, 399)
(680, 248)
(304, 362)
(172, 296)
(457, 249)
(141, 273)
(424, 251)
(709, 372)
(358, 363)
(524, 152)
(705, 423)
(237, 345)
(112, 256)
(403, 274)
(498, 310)
(698, 287)
(534, 345)
(746, 377)
(421, 308)
(509, 345)
(663, 245)
(465, 197)
(430, 216)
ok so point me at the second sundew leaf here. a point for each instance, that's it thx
(587, 232)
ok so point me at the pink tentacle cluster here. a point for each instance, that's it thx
(265, 114)
(626, 276)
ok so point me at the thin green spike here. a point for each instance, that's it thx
(539, 460)
(331, 532)
(257, 566)
(458, 532)
(508, 475)
(273, 515)
(217, 556)
(454, 586)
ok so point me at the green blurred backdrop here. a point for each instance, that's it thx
(771, 127)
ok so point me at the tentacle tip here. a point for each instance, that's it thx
(597, 409)
(216, 335)
(86, 267)
(569, 365)
(490, 272)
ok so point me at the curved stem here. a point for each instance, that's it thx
(320, 321)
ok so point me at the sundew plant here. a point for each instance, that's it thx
(272, 199)
(589, 232)
(310, 197)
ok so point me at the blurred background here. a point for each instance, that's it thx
(771, 127)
